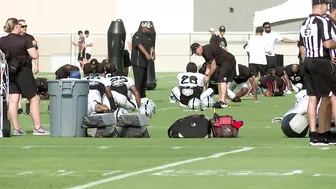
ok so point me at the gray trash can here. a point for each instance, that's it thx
(68, 106)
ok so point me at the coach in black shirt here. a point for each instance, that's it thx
(216, 57)
(142, 53)
(315, 37)
(21, 50)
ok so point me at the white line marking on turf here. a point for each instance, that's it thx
(268, 127)
(164, 109)
(122, 176)
(154, 146)
(325, 148)
(66, 173)
(104, 147)
(176, 147)
(26, 173)
(317, 175)
(110, 173)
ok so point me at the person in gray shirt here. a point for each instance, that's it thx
(81, 48)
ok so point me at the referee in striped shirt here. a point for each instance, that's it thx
(315, 35)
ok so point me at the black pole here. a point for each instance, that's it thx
(116, 35)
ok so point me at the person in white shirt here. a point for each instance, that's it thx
(190, 85)
(256, 48)
(88, 46)
(124, 92)
(99, 86)
(271, 37)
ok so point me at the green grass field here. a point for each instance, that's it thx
(261, 158)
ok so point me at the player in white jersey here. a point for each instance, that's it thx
(191, 85)
(98, 86)
(124, 92)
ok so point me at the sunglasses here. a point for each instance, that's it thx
(23, 26)
(267, 27)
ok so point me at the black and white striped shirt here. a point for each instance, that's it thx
(333, 34)
(313, 32)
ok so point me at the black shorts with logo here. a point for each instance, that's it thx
(226, 70)
(197, 91)
(255, 68)
(23, 83)
(319, 77)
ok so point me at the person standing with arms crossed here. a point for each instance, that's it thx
(315, 37)
(20, 51)
(23, 31)
(142, 53)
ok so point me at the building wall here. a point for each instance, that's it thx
(213, 13)
(61, 16)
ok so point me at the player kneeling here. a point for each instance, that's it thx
(99, 86)
(191, 85)
(124, 92)
(272, 85)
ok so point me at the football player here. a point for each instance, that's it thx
(240, 81)
(67, 71)
(295, 74)
(190, 85)
(120, 86)
(99, 86)
(109, 68)
(281, 73)
(93, 68)
(272, 85)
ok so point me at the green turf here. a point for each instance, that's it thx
(45, 162)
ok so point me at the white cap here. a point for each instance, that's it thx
(211, 29)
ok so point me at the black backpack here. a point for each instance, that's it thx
(194, 126)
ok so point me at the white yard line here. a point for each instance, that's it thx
(156, 146)
(66, 173)
(26, 173)
(122, 176)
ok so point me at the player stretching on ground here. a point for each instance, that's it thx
(98, 86)
(191, 85)
(120, 86)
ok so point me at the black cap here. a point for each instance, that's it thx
(193, 47)
(221, 28)
(318, 2)
(94, 61)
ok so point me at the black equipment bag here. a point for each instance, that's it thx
(194, 126)
(133, 132)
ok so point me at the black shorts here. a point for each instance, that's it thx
(127, 60)
(185, 99)
(81, 55)
(319, 77)
(226, 71)
(23, 83)
(87, 56)
(255, 68)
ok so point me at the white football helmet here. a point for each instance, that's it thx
(147, 110)
(194, 104)
(119, 112)
(207, 102)
(151, 103)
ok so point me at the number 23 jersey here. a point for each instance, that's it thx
(190, 79)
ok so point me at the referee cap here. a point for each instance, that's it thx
(318, 2)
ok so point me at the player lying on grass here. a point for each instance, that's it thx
(124, 92)
(190, 85)
(272, 85)
(93, 68)
(239, 81)
(67, 71)
(301, 107)
(99, 86)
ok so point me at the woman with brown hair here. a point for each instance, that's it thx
(19, 51)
